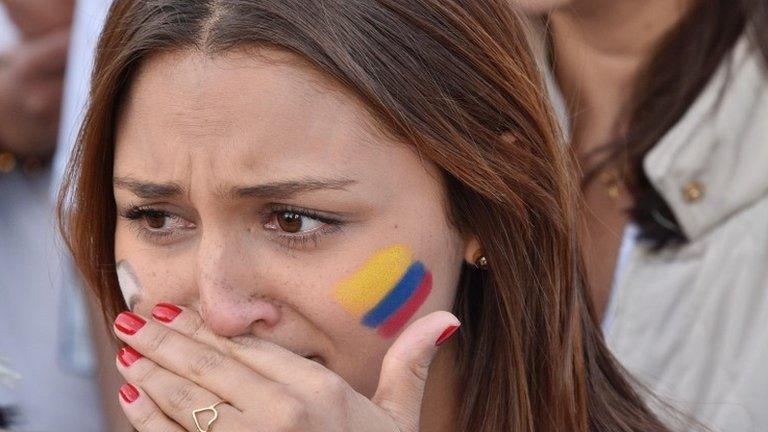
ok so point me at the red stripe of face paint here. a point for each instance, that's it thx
(393, 324)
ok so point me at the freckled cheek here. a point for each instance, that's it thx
(164, 285)
(312, 297)
(153, 281)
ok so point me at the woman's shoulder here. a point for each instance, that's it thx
(712, 164)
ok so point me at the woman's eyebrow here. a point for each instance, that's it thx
(148, 190)
(274, 190)
(287, 189)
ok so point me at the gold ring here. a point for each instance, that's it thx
(212, 409)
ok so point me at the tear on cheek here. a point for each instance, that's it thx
(129, 284)
(387, 290)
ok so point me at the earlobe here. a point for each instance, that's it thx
(474, 254)
(473, 251)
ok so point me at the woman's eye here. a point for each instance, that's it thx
(293, 223)
(300, 228)
(161, 221)
(156, 222)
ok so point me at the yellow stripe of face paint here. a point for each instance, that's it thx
(367, 287)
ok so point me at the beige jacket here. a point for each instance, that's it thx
(692, 323)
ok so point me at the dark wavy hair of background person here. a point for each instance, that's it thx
(683, 64)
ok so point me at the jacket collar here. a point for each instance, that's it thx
(714, 162)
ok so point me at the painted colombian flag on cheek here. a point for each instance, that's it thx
(387, 290)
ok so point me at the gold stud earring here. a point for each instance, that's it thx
(481, 261)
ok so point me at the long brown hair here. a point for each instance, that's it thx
(679, 69)
(456, 80)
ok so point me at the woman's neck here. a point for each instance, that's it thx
(600, 47)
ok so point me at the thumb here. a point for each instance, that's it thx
(406, 367)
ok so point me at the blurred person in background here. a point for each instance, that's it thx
(46, 366)
(88, 20)
(666, 106)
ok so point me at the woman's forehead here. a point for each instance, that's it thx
(240, 110)
(240, 119)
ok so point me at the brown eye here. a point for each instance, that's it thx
(155, 221)
(289, 222)
(293, 222)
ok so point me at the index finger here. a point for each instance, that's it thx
(197, 362)
(268, 359)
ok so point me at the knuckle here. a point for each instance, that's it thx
(331, 387)
(236, 348)
(248, 344)
(181, 398)
(157, 340)
(418, 370)
(414, 371)
(147, 419)
(293, 415)
(205, 363)
(146, 373)
(196, 325)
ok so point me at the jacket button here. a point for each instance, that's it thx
(693, 192)
(7, 162)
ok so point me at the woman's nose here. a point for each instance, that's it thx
(231, 299)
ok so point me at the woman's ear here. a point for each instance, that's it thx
(473, 250)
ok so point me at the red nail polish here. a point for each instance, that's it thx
(447, 333)
(129, 393)
(128, 356)
(165, 312)
(129, 323)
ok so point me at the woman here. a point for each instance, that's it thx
(667, 103)
(297, 191)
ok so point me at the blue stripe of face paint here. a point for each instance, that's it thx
(397, 297)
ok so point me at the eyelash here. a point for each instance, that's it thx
(299, 241)
(136, 214)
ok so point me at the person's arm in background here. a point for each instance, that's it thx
(35, 18)
(32, 76)
(88, 19)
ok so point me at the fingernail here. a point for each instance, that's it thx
(129, 393)
(129, 323)
(128, 356)
(447, 333)
(165, 312)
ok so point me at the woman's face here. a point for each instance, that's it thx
(255, 190)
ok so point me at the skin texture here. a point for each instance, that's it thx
(210, 125)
